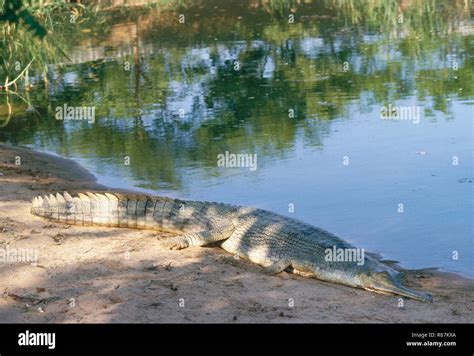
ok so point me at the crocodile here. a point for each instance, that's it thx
(275, 242)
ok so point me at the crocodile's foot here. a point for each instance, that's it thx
(176, 243)
(278, 267)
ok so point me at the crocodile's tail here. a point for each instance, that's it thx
(105, 209)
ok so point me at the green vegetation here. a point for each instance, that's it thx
(23, 41)
(393, 50)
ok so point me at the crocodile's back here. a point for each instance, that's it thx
(259, 235)
(265, 238)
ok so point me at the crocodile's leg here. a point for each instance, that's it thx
(278, 267)
(201, 238)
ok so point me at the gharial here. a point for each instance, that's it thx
(273, 241)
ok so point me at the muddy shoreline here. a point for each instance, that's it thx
(96, 275)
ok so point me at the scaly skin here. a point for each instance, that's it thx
(273, 241)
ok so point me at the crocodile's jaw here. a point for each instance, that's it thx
(383, 282)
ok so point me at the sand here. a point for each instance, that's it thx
(101, 275)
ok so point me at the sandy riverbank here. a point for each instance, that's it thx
(91, 274)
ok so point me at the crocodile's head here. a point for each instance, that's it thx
(390, 283)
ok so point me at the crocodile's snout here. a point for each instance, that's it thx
(384, 282)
